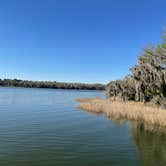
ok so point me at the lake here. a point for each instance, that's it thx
(44, 127)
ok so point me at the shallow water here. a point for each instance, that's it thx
(43, 127)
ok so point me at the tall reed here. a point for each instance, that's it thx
(135, 111)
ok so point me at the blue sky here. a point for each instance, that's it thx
(76, 40)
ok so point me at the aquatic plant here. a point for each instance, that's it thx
(133, 111)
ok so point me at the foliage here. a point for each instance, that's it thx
(49, 84)
(147, 80)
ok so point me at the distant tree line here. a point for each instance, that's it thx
(147, 81)
(49, 84)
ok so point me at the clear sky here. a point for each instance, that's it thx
(76, 40)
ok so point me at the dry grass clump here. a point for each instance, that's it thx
(147, 127)
(136, 111)
(95, 105)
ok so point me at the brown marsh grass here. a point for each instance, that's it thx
(134, 111)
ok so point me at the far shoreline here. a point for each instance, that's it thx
(50, 84)
(17, 87)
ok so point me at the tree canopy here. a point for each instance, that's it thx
(147, 81)
(50, 84)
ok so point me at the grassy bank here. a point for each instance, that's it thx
(135, 111)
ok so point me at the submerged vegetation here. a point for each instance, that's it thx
(49, 84)
(147, 81)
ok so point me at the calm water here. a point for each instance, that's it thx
(43, 127)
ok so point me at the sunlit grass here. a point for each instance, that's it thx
(136, 111)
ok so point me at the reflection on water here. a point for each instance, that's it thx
(151, 144)
(149, 140)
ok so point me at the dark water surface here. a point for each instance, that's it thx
(43, 127)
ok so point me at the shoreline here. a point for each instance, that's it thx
(51, 84)
(19, 87)
(132, 111)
